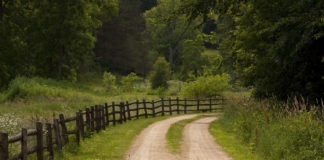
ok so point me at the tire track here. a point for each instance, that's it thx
(151, 143)
(199, 143)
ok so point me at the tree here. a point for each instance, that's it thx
(67, 30)
(120, 47)
(276, 44)
(160, 73)
(49, 38)
(167, 29)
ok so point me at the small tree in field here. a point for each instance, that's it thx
(160, 73)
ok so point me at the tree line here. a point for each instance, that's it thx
(274, 47)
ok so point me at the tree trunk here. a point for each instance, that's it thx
(171, 55)
(60, 63)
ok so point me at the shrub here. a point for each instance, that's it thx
(129, 83)
(207, 86)
(109, 82)
(160, 73)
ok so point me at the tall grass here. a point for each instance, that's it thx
(38, 99)
(276, 130)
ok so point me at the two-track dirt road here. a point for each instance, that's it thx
(198, 143)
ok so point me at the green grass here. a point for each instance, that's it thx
(111, 143)
(270, 130)
(38, 99)
(230, 143)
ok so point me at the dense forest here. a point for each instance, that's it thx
(274, 47)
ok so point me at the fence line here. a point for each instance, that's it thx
(53, 136)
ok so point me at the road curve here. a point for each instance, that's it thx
(151, 143)
(199, 143)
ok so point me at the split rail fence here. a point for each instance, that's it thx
(49, 137)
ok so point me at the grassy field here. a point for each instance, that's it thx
(28, 100)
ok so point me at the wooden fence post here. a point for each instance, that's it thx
(114, 113)
(97, 119)
(24, 148)
(81, 124)
(128, 111)
(64, 129)
(57, 133)
(198, 100)
(88, 120)
(121, 114)
(145, 109)
(77, 127)
(49, 140)
(178, 111)
(103, 117)
(107, 114)
(185, 106)
(39, 137)
(122, 105)
(162, 103)
(210, 104)
(153, 108)
(137, 109)
(92, 118)
(170, 106)
(4, 146)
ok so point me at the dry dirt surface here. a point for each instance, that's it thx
(198, 143)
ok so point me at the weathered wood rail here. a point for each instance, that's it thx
(50, 137)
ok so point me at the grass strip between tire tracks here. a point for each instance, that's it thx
(174, 134)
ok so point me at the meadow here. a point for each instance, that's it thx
(247, 128)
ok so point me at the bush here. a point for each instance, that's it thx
(207, 86)
(109, 82)
(130, 82)
(160, 73)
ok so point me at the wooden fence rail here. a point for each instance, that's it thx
(53, 136)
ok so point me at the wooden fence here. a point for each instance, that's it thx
(53, 136)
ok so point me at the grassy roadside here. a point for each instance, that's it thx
(174, 134)
(111, 143)
(269, 129)
(230, 143)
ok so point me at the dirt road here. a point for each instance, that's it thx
(198, 145)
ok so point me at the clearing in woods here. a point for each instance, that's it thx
(198, 143)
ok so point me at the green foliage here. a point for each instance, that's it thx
(167, 30)
(207, 86)
(130, 82)
(109, 82)
(52, 39)
(160, 73)
(274, 131)
(192, 59)
(274, 46)
(23, 88)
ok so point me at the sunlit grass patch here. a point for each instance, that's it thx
(111, 143)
